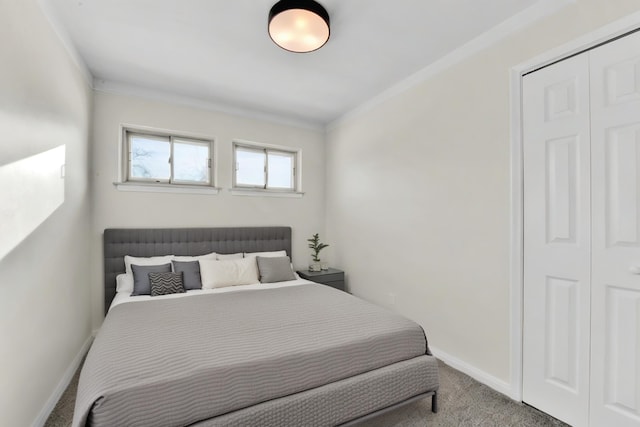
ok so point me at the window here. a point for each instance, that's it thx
(167, 159)
(258, 167)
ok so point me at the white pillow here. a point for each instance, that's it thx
(124, 283)
(233, 272)
(273, 254)
(212, 255)
(230, 256)
(154, 260)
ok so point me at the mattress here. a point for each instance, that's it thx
(181, 361)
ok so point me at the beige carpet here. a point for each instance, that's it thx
(462, 402)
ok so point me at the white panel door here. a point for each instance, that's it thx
(615, 314)
(557, 240)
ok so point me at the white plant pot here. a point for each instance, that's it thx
(315, 266)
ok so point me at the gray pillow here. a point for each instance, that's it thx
(166, 283)
(275, 269)
(141, 284)
(190, 273)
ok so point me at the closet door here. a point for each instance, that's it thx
(615, 326)
(557, 240)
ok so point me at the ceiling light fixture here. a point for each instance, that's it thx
(299, 25)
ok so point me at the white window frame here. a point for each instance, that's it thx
(128, 183)
(240, 189)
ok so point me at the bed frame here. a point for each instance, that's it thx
(199, 241)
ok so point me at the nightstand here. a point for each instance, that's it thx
(331, 277)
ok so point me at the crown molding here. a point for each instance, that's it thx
(501, 31)
(119, 88)
(63, 36)
(512, 25)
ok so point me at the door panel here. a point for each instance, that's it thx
(561, 333)
(562, 180)
(622, 151)
(615, 314)
(622, 354)
(557, 240)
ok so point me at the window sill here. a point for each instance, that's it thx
(265, 193)
(165, 188)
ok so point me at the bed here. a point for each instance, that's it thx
(288, 353)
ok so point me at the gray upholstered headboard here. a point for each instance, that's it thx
(146, 242)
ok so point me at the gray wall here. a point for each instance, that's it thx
(44, 298)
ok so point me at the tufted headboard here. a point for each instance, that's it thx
(146, 242)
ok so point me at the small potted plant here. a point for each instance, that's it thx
(316, 246)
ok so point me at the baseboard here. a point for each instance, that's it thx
(475, 373)
(63, 384)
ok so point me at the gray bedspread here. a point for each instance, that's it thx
(179, 361)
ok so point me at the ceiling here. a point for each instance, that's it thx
(219, 52)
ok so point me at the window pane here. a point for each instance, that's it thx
(280, 170)
(250, 167)
(150, 157)
(190, 162)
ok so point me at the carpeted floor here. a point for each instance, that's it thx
(462, 401)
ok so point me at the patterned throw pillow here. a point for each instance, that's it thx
(166, 283)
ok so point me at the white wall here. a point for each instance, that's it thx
(422, 180)
(44, 294)
(114, 208)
